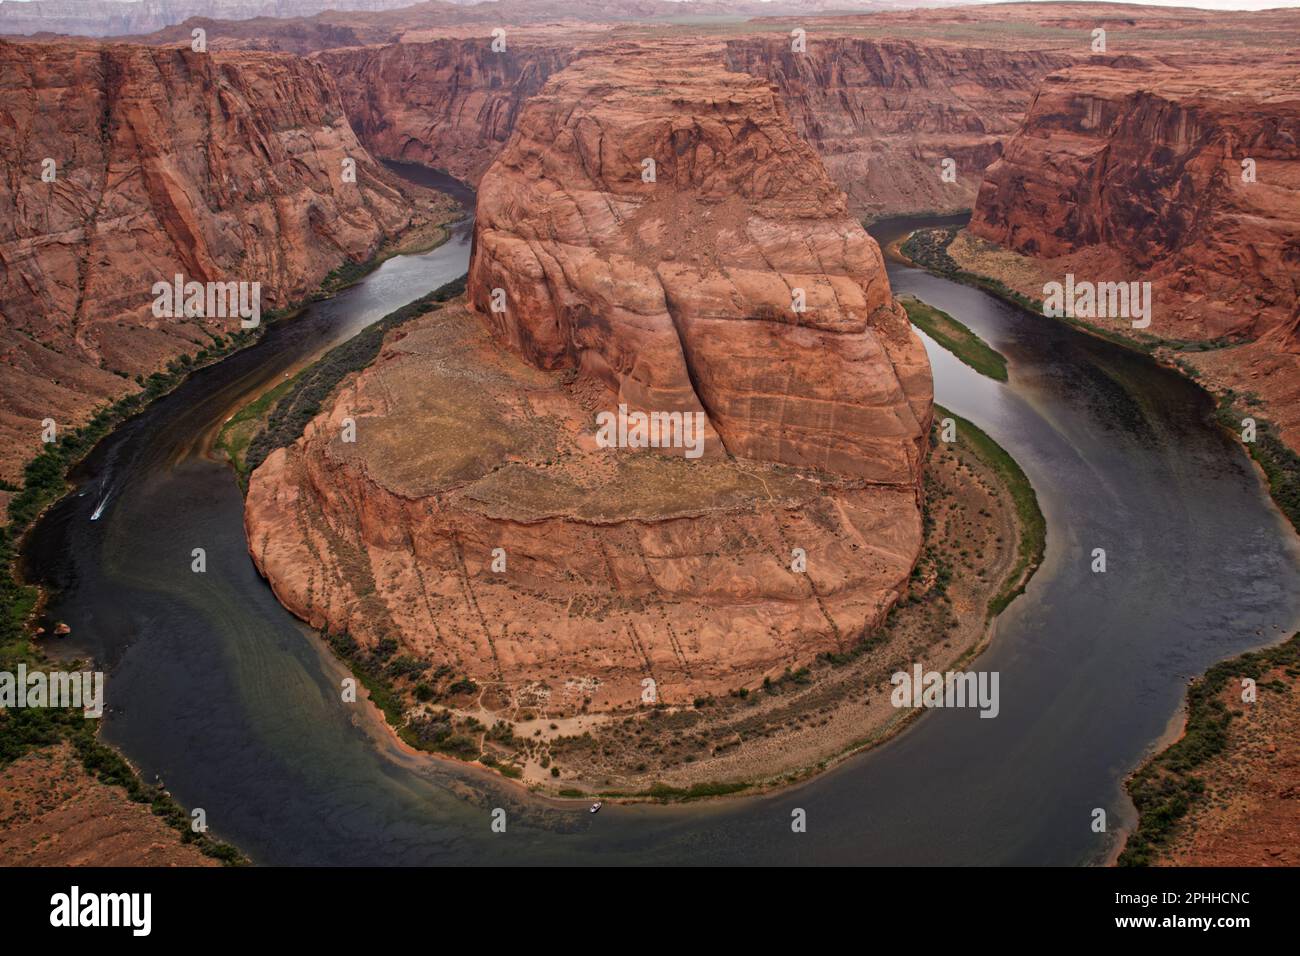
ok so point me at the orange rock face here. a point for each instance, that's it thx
(1139, 173)
(478, 520)
(222, 167)
(657, 234)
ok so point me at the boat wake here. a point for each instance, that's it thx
(103, 503)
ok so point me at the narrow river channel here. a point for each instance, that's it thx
(217, 690)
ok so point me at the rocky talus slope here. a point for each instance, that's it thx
(218, 167)
(477, 430)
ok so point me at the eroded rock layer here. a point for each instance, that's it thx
(218, 167)
(477, 431)
(1140, 174)
(449, 104)
(678, 289)
(885, 114)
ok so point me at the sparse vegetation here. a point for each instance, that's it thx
(665, 793)
(387, 678)
(301, 401)
(1280, 463)
(1165, 789)
(928, 248)
(244, 425)
(1033, 526)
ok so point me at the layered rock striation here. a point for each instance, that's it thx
(448, 104)
(658, 224)
(882, 114)
(1189, 179)
(885, 114)
(130, 165)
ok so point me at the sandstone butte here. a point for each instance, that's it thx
(1137, 174)
(475, 429)
(222, 166)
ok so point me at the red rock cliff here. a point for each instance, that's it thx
(1139, 171)
(449, 104)
(884, 114)
(218, 167)
(678, 293)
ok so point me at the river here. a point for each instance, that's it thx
(218, 691)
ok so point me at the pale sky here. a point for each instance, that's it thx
(1214, 4)
(1199, 4)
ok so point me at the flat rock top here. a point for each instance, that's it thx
(445, 411)
(1223, 86)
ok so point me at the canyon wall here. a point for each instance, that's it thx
(478, 519)
(884, 114)
(217, 167)
(1138, 173)
(448, 104)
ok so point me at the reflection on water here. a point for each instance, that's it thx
(218, 690)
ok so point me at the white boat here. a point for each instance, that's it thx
(595, 807)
